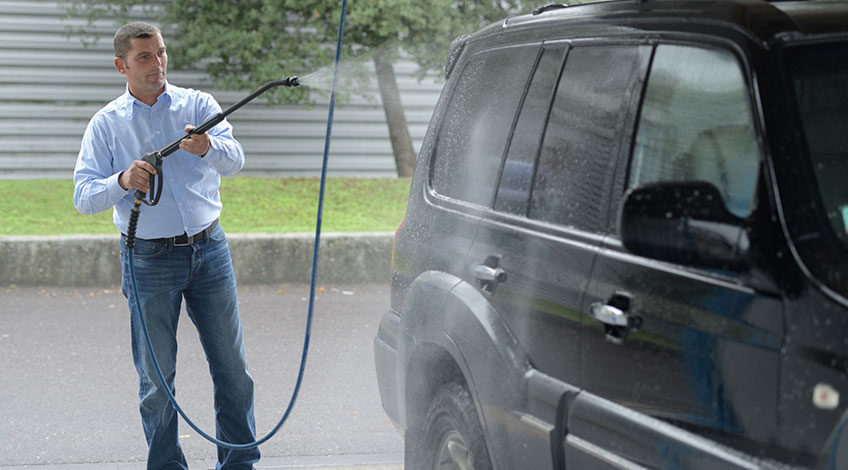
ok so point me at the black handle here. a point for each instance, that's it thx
(156, 181)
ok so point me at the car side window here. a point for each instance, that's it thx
(517, 174)
(477, 123)
(696, 124)
(583, 137)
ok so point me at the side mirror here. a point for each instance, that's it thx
(685, 223)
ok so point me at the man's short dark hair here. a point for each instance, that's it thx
(128, 32)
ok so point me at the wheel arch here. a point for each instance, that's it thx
(451, 333)
(430, 368)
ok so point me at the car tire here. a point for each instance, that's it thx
(452, 438)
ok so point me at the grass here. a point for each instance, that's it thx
(45, 206)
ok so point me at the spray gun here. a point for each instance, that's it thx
(155, 158)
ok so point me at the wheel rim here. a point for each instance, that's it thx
(453, 453)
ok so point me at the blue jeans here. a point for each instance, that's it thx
(202, 274)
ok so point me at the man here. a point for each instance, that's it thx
(181, 250)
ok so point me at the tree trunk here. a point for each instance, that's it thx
(398, 129)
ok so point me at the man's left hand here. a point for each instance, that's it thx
(197, 144)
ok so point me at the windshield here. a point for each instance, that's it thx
(819, 76)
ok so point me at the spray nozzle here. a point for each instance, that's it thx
(292, 81)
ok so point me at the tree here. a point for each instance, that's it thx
(240, 43)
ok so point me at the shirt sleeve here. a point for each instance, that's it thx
(96, 187)
(225, 153)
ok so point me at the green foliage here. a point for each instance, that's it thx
(243, 43)
(45, 207)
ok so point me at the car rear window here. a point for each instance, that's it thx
(477, 123)
(517, 174)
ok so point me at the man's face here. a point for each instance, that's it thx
(145, 65)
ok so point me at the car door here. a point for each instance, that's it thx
(701, 349)
(534, 249)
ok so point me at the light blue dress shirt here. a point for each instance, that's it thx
(126, 129)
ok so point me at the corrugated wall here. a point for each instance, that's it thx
(50, 85)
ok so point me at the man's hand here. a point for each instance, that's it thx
(197, 144)
(137, 176)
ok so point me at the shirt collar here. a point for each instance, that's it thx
(128, 101)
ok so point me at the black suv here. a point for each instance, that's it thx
(626, 244)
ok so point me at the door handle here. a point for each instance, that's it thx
(609, 315)
(616, 318)
(489, 274)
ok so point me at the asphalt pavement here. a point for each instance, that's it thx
(68, 393)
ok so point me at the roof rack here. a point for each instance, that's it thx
(560, 6)
(554, 6)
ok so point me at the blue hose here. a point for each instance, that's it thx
(300, 373)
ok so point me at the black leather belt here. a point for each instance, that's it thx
(184, 239)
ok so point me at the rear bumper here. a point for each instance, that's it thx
(385, 362)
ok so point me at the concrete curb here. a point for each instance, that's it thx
(94, 260)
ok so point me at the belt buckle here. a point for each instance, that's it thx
(189, 241)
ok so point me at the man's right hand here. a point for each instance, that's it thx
(137, 176)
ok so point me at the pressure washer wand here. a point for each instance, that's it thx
(155, 158)
(215, 120)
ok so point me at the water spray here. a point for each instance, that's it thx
(155, 159)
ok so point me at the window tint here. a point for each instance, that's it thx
(517, 173)
(477, 122)
(819, 74)
(696, 124)
(577, 159)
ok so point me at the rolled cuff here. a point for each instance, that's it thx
(114, 189)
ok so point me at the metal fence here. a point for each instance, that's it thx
(51, 85)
